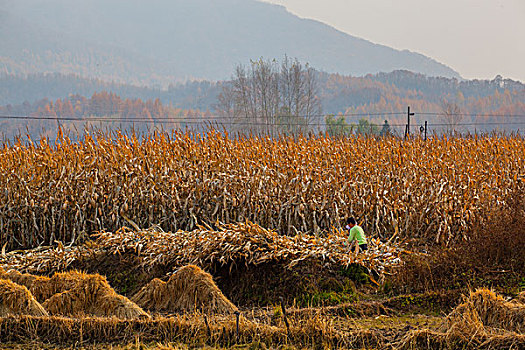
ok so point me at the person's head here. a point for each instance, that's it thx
(350, 222)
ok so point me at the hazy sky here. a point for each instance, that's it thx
(477, 38)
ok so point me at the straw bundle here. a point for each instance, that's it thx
(64, 281)
(92, 295)
(43, 287)
(17, 300)
(484, 310)
(39, 286)
(188, 289)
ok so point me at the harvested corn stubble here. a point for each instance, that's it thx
(188, 289)
(18, 300)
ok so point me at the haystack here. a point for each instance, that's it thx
(93, 296)
(187, 290)
(64, 281)
(17, 300)
(39, 286)
(485, 309)
(43, 287)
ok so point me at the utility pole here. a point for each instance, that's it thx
(423, 130)
(407, 131)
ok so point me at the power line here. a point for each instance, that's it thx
(442, 114)
(213, 117)
(70, 118)
(185, 120)
(246, 121)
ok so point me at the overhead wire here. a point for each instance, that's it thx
(248, 121)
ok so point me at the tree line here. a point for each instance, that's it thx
(271, 97)
(287, 96)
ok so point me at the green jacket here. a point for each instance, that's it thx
(357, 233)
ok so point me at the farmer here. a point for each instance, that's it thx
(356, 234)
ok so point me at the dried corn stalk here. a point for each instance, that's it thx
(431, 190)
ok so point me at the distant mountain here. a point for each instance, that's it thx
(162, 41)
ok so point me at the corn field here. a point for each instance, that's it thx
(431, 190)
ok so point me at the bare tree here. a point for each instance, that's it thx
(227, 109)
(268, 98)
(299, 93)
(452, 117)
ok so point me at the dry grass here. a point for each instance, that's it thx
(92, 295)
(314, 333)
(432, 340)
(483, 321)
(475, 261)
(187, 290)
(17, 300)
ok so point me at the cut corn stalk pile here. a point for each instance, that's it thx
(245, 243)
(431, 190)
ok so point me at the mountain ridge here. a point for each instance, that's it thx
(160, 41)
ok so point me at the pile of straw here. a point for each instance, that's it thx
(245, 243)
(484, 311)
(17, 300)
(484, 320)
(188, 289)
(43, 287)
(92, 295)
(39, 286)
(75, 294)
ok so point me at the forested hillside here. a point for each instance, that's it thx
(102, 111)
(465, 106)
(17, 89)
